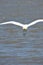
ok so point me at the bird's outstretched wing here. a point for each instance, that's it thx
(34, 22)
(12, 22)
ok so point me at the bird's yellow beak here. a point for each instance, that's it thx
(25, 29)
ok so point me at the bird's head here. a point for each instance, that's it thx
(25, 27)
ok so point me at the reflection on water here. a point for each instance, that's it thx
(16, 48)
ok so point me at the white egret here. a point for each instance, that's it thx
(24, 26)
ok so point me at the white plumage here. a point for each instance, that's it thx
(24, 26)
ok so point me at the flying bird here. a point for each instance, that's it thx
(24, 26)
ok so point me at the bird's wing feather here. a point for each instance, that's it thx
(12, 22)
(34, 22)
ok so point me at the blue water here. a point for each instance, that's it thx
(15, 48)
